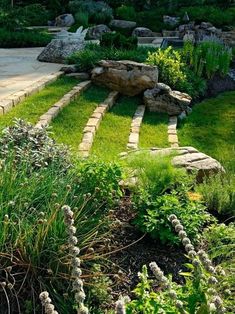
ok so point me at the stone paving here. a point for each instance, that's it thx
(20, 70)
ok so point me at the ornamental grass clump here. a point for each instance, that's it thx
(75, 260)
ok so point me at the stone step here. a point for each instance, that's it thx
(47, 117)
(133, 140)
(94, 123)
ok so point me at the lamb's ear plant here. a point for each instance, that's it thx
(75, 261)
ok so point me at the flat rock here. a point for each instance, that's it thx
(127, 77)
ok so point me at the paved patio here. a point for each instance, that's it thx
(19, 69)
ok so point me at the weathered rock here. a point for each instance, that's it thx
(97, 31)
(122, 24)
(171, 20)
(70, 68)
(64, 20)
(163, 99)
(79, 75)
(200, 163)
(63, 46)
(127, 77)
(206, 25)
(142, 32)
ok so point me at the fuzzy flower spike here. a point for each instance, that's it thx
(46, 303)
(75, 260)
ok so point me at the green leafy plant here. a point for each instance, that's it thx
(118, 41)
(125, 12)
(201, 292)
(87, 58)
(219, 193)
(23, 38)
(208, 58)
(82, 19)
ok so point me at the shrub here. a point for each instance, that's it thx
(174, 71)
(36, 180)
(23, 38)
(34, 14)
(219, 193)
(119, 41)
(98, 12)
(125, 12)
(82, 19)
(87, 58)
(212, 14)
(161, 191)
(152, 212)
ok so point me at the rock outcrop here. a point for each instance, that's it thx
(97, 31)
(63, 46)
(127, 77)
(64, 20)
(123, 24)
(142, 32)
(163, 99)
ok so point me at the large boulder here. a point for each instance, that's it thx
(128, 77)
(63, 46)
(64, 20)
(142, 32)
(163, 99)
(97, 31)
(171, 20)
(123, 24)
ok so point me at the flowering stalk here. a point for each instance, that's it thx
(75, 261)
(159, 275)
(46, 303)
(215, 303)
(120, 305)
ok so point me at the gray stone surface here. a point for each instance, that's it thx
(64, 20)
(20, 69)
(122, 24)
(142, 32)
(63, 46)
(128, 77)
(163, 99)
(97, 31)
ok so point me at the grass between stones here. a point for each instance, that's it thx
(69, 124)
(112, 136)
(211, 129)
(34, 106)
(153, 131)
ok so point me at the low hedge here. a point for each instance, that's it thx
(23, 38)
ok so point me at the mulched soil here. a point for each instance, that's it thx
(138, 250)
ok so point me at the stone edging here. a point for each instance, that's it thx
(93, 124)
(11, 101)
(47, 117)
(135, 128)
(172, 132)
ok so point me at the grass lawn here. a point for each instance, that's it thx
(69, 124)
(153, 131)
(34, 106)
(211, 129)
(112, 136)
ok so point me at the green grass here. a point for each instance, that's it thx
(34, 106)
(112, 136)
(211, 128)
(69, 124)
(153, 131)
